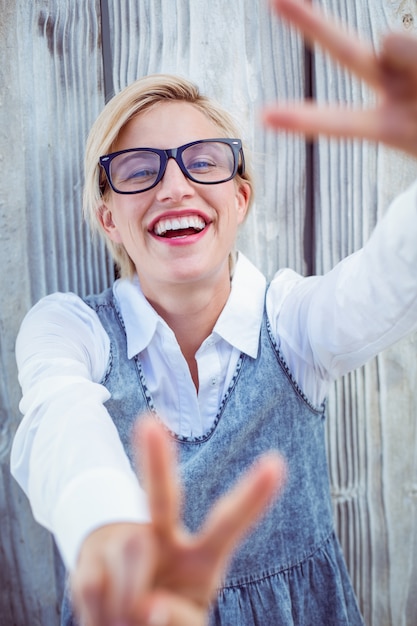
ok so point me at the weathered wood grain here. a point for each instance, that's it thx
(51, 90)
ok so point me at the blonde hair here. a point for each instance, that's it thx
(131, 101)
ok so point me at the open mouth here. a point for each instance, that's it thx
(179, 226)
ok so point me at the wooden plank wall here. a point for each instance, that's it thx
(312, 208)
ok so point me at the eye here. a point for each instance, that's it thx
(209, 161)
(200, 163)
(133, 170)
(139, 174)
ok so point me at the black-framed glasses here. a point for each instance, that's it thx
(207, 161)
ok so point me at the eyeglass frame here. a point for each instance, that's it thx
(176, 154)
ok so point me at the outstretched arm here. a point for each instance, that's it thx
(159, 574)
(391, 72)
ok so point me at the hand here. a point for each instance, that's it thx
(392, 73)
(159, 574)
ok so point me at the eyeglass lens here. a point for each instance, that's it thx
(206, 162)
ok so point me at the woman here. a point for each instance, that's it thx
(233, 369)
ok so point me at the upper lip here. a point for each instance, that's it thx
(174, 220)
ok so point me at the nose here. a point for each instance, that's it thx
(174, 184)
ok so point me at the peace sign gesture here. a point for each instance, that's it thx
(391, 72)
(158, 574)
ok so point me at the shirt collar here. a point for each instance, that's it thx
(239, 322)
(133, 307)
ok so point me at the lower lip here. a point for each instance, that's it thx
(182, 241)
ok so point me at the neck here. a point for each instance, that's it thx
(191, 311)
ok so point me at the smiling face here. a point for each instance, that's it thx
(179, 232)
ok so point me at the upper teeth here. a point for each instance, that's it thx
(178, 223)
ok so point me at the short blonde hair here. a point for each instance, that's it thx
(131, 101)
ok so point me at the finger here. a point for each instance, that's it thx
(132, 571)
(399, 66)
(159, 470)
(88, 594)
(115, 567)
(387, 124)
(343, 46)
(312, 120)
(399, 50)
(167, 609)
(238, 510)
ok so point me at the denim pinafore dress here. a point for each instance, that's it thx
(290, 569)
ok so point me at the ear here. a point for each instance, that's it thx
(105, 217)
(243, 194)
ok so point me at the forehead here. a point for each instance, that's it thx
(167, 125)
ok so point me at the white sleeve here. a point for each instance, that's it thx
(67, 455)
(329, 325)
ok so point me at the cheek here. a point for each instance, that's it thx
(127, 218)
(230, 204)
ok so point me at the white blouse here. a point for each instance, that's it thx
(67, 455)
